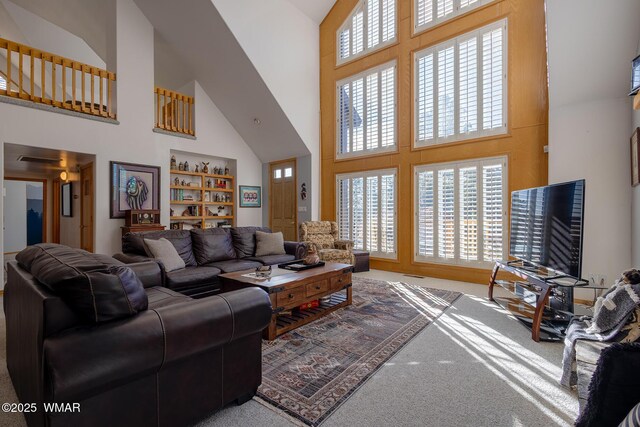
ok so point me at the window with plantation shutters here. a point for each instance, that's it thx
(433, 12)
(460, 212)
(3, 83)
(371, 26)
(461, 87)
(366, 211)
(366, 112)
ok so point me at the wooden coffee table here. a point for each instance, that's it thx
(289, 289)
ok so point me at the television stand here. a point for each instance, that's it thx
(540, 298)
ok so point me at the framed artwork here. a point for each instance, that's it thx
(635, 161)
(250, 196)
(66, 204)
(133, 187)
(635, 75)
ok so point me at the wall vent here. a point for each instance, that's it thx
(44, 160)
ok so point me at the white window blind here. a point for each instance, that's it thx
(461, 87)
(366, 210)
(3, 83)
(366, 112)
(461, 211)
(371, 26)
(433, 12)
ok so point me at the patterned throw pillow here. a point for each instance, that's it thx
(269, 243)
(164, 251)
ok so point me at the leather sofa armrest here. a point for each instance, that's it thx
(211, 322)
(297, 249)
(150, 273)
(346, 245)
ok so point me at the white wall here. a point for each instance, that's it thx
(589, 123)
(635, 201)
(132, 140)
(15, 216)
(283, 44)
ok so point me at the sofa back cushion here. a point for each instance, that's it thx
(244, 240)
(97, 291)
(212, 244)
(133, 243)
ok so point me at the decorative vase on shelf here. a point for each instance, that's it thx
(312, 256)
(186, 166)
(174, 165)
(226, 170)
(205, 167)
(181, 166)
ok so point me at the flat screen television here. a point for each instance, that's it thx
(546, 226)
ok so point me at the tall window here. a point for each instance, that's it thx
(461, 87)
(371, 26)
(3, 83)
(366, 210)
(366, 112)
(461, 211)
(428, 13)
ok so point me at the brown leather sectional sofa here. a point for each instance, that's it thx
(85, 328)
(206, 253)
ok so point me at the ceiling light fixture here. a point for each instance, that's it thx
(257, 121)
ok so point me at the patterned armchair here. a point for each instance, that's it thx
(324, 235)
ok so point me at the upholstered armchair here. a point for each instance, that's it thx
(324, 235)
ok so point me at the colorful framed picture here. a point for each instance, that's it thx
(133, 187)
(635, 159)
(250, 196)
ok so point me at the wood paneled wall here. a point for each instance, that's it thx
(527, 115)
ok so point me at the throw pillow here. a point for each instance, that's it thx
(269, 243)
(164, 251)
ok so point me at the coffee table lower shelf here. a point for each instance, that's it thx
(288, 322)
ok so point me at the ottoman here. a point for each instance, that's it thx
(362, 261)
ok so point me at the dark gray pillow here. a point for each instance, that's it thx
(212, 244)
(244, 240)
(96, 291)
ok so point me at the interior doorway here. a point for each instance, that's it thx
(283, 211)
(25, 213)
(86, 207)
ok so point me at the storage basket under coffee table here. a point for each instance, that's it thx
(289, 289)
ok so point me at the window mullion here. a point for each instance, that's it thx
(365, 213)
(436, 212)
(351, 117)
(379, 112)
(365, 27)
(456, 88)
(380, 23)
(351, 212)
(479, 79)
(456, 214)
(364, 113)
(436, 94)
(480, 212)
(380, 201)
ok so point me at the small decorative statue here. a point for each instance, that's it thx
(186, 165)
(220, 209)
(226, 170)
(181, 166)
(205, 167)
(303, 191)
(184, 184)
(174, 166)
(206, 196)
(312, 255)
(197, 168)
(176, 181)
(208, 182)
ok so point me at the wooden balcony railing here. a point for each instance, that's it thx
(174, 111)
(46, 78)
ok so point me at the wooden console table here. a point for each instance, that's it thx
(288, 290)
(542, 300)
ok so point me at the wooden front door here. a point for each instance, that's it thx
(282, 199)
(86, 207)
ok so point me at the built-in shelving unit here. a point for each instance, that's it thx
(201, 200)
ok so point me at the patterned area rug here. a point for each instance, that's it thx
(309, 372)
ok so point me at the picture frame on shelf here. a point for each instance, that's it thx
(250, 196)
(635, 159)
(133, 186)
